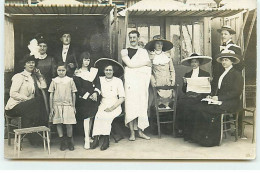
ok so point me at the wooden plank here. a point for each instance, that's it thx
(242, 28)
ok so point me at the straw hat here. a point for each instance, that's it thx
(167, 45)
(227, 28)
(230, 54)
(103, 62)
(202, 59)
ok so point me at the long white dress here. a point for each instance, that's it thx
(110, 91)
(137, 82)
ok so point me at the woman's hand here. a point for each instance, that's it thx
(184, 80)
(93, 97)
(71, 65)
(109, 109)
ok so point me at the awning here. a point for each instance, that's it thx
(58, 9)
(175, 8)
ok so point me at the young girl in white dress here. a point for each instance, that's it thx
(62, 106)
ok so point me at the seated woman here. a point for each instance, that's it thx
(183, 124)
(226, 98)
(163, 73)
(26, 98)
(112, 91)
(88, 96)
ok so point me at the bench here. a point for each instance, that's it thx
(21, 133)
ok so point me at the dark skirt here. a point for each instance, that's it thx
(86, 108)
(33, 114)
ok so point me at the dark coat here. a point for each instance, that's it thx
(202, 73)
(230, 91)
(71, 58)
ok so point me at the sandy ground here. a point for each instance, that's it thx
(165, 148)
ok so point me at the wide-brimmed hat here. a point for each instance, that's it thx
(228, 28)
(104, 62)
(167, 45)
(202, 59)
(230, 54)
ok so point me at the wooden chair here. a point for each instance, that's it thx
(246, 121)
(160, 113)
(231, 119)
(11, 124)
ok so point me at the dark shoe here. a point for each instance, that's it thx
(95, 143)
(70, 144)
(161, 106)
(63, 144)
(105, 144)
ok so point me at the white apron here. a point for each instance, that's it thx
(137, 82)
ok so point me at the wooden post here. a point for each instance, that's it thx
(242, 28)
(126, 26)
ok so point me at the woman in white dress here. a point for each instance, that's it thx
(113, 95)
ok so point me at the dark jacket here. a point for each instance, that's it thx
(71, 58)
(202, 73)
(230, 91)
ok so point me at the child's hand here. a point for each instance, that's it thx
(109, 109)
(93, 97)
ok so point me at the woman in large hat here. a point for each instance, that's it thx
(225, 98)
(163, 73)
(113, 95)
(88, 97)
(183, 123)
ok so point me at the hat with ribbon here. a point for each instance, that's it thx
(167, 45)
(104, 62)
(230, 54)
(202, 59)
(227, 28)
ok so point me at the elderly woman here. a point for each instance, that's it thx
(163, 73)
(226, 98)
(183, 123)
(113, 95)
(88, 96)
(26, 98)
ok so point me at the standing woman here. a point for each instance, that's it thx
(163, 73)
(25, 97)
(113, 95)
(46, 63)
(207, 119)
(88, 96)
(183, 118)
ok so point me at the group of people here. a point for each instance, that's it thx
(93, 94)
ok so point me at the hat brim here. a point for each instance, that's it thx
(235, 58)
(167, 45)
(103, 62)
(204, 59)
(231, 31)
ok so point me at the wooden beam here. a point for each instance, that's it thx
(242, 28)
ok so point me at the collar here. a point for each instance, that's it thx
(26, 73)
(227, 69)
(133, 47)
(66, 46)
(228, 42)
(87, 75)
(43, 56)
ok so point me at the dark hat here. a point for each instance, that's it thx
(167, 45)
(28, 58)
(63, 30)
(202, 59)
(228, 28)
(104, 62)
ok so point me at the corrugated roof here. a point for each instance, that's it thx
(80, 9)
(175, 8)
(60, 2)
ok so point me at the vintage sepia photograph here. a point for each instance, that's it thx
(130, 79)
